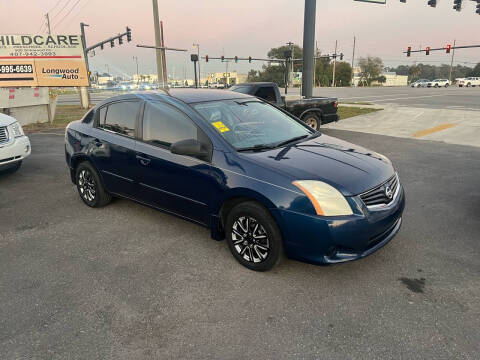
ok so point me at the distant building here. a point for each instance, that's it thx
(229, 78)
(145, 78)
(391, 79)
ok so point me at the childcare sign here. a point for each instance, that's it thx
(42, 60)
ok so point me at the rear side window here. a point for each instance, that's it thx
(266, 93)
(164, 125)
(121, 117)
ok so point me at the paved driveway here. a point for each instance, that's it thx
(129, 282)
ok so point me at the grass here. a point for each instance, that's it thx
(64, 114)
(347, 111)
(356, 103)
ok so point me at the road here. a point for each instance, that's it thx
(451, 98)
(130, 282)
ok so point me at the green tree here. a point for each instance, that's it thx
(343, 74)
(370, 69)
(475, 71)
(252, 76)
(414, 72)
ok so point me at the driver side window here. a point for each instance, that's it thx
(164, 125)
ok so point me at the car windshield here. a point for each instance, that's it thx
(252, 125)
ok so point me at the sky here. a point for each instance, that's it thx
(250, 28)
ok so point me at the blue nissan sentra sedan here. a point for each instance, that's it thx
(251, 172)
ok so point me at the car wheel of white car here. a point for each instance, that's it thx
(446, 85)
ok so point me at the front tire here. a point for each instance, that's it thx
(436, 85)
(90, 187)
(253, 237)
(446, 85)
(313, 121)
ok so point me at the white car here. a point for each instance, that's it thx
(420, 83)
(439, 83)
(470, 81)
(14, 145)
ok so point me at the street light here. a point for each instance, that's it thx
(136, 60)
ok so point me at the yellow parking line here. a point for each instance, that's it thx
(433, 130)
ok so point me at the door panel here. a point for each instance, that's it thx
(114, 145)
(174, 182)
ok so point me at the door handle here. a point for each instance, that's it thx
(143, 160)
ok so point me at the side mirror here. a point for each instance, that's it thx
(191, 147)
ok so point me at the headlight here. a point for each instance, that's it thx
(326, 200)
(16, 129)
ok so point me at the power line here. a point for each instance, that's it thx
(81, 9)
(64, 6)
(58, 2)
(68, 13)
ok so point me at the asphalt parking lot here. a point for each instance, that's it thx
(130, 282)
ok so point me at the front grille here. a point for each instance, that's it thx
(3, 135)
(378, 195)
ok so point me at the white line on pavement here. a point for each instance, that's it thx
(368, 97)
(411, 97)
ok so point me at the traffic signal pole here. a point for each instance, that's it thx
(308, 47)
(451, 63)
(84, 94)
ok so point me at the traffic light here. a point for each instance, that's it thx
(478, 7)
(427, 50)
(341, 56)
(236, 59)
(457, 5)
(432, 3)
(409, 51)
(120, 41)
(448, 48)
(223, 58)
(101, 46)
(129, 34)
(206, 58)
(250, 59)
(112, 43)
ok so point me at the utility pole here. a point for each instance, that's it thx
(158, 43)
(353, 60)
(84, 95)
(315, 64)
(334, 63)
(308, 47)
(164, 60)
(136, 60)
(48, 23)
(290, 65)
(199, 72)
(451, 63)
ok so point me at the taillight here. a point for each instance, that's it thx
(335, 104)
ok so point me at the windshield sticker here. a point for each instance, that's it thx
(220, 126)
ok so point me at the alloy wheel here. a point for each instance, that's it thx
(312, 122)
(250, 239)
(86, 185)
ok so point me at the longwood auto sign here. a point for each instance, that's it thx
(42, 60)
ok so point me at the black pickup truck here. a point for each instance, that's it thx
(314, 112)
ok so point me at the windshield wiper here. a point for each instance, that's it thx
(258, 147)
(286, 142)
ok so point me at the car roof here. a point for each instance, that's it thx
(188, 96)
(260, 83)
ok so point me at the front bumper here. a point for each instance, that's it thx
(322, 240)
(15, 151)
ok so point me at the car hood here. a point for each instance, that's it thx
(6, 120)
(350, 168)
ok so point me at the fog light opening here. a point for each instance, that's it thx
(332, 251)
(27, 148)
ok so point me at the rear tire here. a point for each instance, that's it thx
(446, 85)
(90, 187)
(313, 121)
(253, 236)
